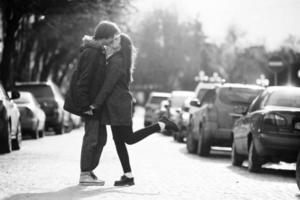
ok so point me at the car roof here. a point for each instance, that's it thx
(160, 94)
(240, 85)
(182, 93)
(276, 88)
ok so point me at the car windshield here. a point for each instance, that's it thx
(230, 95)
(39, 91)
(285, 98)
(177, 101)
(157, 100)
(202, 93)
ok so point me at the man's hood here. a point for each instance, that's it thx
(89, 42)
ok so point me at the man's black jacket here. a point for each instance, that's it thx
(87, 82)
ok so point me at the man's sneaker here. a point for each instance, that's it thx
(124, 181)
(170, 126)
(90, 179)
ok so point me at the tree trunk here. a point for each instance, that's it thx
(10, 26)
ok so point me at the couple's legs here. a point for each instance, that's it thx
(124, 134)
(94, 140)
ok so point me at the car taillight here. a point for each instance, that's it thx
(274, 122)
(297, 125)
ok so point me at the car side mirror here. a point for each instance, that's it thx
(195, 103)
(15, 94)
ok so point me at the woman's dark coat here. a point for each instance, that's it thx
(114, 98)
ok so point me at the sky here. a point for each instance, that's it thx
(266, 22)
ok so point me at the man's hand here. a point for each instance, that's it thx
(89, 112)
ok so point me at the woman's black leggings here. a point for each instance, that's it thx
(124, 134)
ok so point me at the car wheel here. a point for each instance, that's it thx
(41, 133)
(191, 143)
(254, 163)
(203, 148)
(175, 137)
(35, 133)
(5, 142)
(236, 159)
(16, 143)
(59, 130)
(179, 136)
(298, 171)
(180, 139)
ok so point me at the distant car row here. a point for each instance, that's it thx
(260, 124)
(31, 109)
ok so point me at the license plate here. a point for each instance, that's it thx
(297, 125)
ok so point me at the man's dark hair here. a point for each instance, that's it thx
(106, 29)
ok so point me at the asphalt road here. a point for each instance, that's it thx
(48, 168)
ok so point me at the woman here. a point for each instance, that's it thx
(115, 102)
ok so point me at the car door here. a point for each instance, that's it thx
(194, 112)
(248, 120)
(206, 109)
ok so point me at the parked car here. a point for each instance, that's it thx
(49, 97)
(176, 100)
(212, 124)
(270, 129)
(152, 106)
(32, 116)
(200, 91)
(10, 125)
(298, 171)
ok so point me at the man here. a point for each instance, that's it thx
(91, 72)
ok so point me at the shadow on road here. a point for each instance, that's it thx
(224, 156)
(215, 155)
(75, 193)
(265, 172)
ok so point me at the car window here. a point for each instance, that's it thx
(39, 91)
(2, 93)
(57, 92)
(209, 97)
(284, 98)
(202, 93)
(233, 95)
(157, 100)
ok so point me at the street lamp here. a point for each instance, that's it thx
(202, 77)
(262, 81)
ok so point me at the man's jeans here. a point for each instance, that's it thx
(94, 140)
